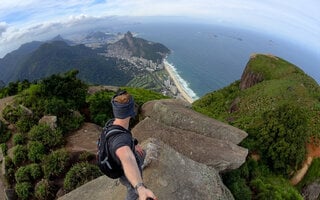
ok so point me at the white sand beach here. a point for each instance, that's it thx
(177, 83)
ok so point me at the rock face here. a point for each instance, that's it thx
(194, 135)
(312, 191)
(169, 174)
(249, 78)
(84, 139)
(185, 153)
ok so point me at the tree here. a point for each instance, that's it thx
(44, 190)
(55, 163)
(36, 151)
(44, 134)
(19, 155)
(66, 87)
(100, 107)
(18, 138)
(282, 138)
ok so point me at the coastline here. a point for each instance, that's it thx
(177, 83)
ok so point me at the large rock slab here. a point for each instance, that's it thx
(192, 134)
(168, 173)
(220, 154)
(84, 139)
(178, 114)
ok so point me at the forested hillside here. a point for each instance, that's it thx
(278, 105)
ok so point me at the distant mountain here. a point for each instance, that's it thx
(60, 38)
(131, 46)
(58, 57)
(97, 61)
(12, 61)
(98, 35)
(2, 84)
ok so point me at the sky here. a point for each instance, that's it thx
(27, 20)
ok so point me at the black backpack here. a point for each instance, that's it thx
(105, 161)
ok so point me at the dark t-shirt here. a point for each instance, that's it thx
(117, 141)
(120, 140)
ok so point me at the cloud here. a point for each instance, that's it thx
(23, 19)
(3, 27)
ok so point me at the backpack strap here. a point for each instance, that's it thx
(111, 130)
(108, 134)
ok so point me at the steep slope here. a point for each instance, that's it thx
(266, 83)
(12, 61)
(278, 105)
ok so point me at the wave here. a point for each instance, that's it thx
(184, 84)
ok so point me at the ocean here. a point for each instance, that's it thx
(209, 57)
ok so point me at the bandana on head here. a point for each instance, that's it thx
(123, 110)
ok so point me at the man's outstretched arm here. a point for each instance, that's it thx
(132, 172)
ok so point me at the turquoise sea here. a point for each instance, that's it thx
(210, 57)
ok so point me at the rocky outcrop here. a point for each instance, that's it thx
(178, 114)
(169, 174)
(192, 134)
(249, 78)
(311, 191)
(185, 153)
(84, 139)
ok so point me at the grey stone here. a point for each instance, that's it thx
(311, 191)
(49, 120)
(177, 114)
(168, 173)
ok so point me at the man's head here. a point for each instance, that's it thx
(123, 105)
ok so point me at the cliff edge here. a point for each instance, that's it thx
(185, 153)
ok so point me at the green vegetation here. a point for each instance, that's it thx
(79, 174)
(100, 103)
(44, 190)
(18, 138)
(40, 165)
(280, 114)
(14, 88)
(142, 96)
(5, 134)
(24, 190)
(56, 163)
(100, 106)
(48, 137)
(36, 151)
(20, 155)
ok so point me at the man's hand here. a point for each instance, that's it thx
(139, 150)
(145, 193)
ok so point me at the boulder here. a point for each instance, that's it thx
(178, 114)
(168, 173)
(51, 121)
(84, 139)
(192, 134)
(220, 154)
(312, 191)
